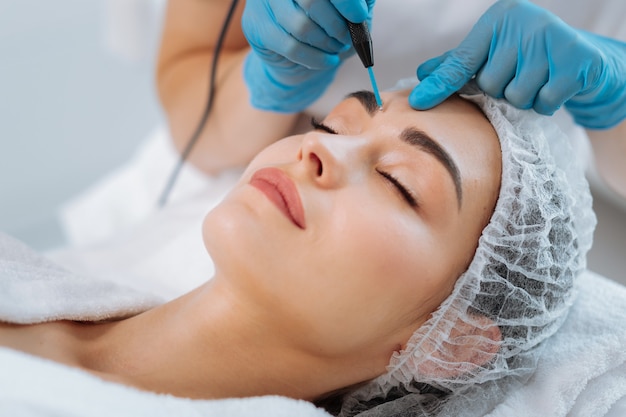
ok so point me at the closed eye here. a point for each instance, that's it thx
(404, 191)
(321, 126)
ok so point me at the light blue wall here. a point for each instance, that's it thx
(70, 111)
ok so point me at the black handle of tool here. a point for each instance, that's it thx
(362, 42)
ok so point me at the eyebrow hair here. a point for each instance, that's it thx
(367, 100)
(417, 138)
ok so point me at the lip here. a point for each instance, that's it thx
(281, 191)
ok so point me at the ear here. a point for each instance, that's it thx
(470, 346)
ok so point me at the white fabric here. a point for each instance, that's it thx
(33, 289)
(35, 387)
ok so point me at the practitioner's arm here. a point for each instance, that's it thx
(609, 147)
(235, 131)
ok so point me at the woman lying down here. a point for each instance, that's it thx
(383, 262)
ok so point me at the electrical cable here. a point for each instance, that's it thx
(207, 109)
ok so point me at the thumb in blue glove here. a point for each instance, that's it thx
(297, 46)
(525, 54)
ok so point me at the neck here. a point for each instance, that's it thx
(208, 344)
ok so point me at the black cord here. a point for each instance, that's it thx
(207, 109)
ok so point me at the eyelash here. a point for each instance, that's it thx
(317, 125)
(406, 194)
(404, 191)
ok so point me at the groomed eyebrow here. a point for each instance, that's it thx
(367, 100)
(417, 138)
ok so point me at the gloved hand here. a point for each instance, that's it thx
(297, 47)
(533, 59)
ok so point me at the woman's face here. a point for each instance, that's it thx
(350, 235)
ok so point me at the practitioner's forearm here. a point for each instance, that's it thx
(235, 131)
(609, 148)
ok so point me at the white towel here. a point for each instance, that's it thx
(35, 387)
(33, 289)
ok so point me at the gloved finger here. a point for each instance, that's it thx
(295, 52)
(345, 54)
(356, 11)
(289, 51)
(330, 21)
(524, 88)
(554, 93)
(494, 76)
(439, 85)
(298, 22)
(531, 74)
(568, 76)
(459, 66)
(564, 82)
(428, 67)
(276, 43)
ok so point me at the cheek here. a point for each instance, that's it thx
(386, 274)
(397, 261)
(380, 246)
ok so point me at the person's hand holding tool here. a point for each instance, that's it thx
(527, 55)
(297, 47)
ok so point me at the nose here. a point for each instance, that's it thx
(332, 160)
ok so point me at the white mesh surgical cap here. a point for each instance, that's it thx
(521, 277)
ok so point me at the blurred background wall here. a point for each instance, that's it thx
(77, 96)
(75, 100)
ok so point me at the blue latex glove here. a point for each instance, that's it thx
(533, 59)
(297, 46)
